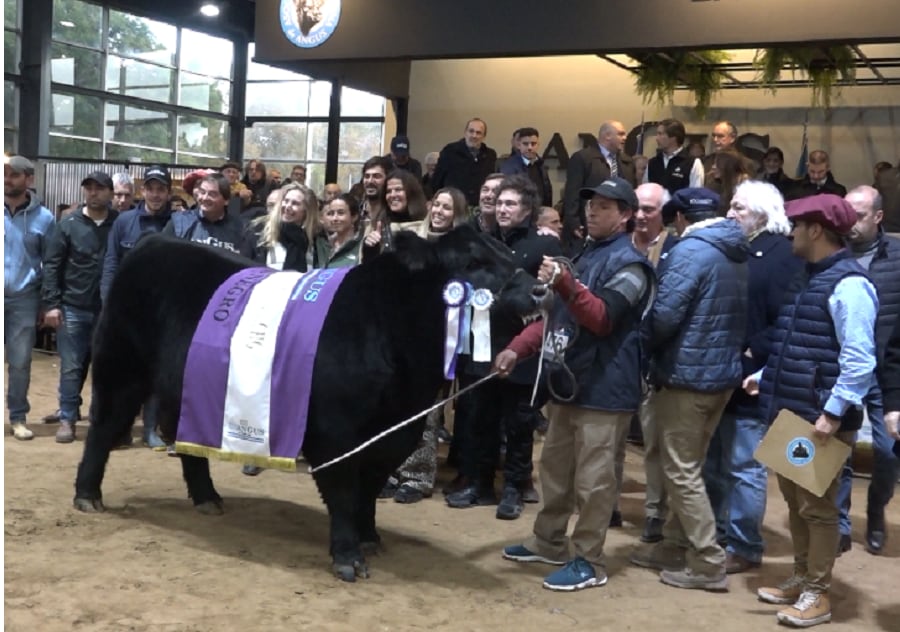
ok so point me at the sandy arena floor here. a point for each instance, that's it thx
(152, 563)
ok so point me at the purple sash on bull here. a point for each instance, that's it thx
(249, 368)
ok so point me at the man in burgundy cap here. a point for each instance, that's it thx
(821, 366)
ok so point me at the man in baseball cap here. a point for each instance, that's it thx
(400, 158)
(596, 319)
(821, 366)
(693, 204)
(99, 177)
(21, 165)
(158, 173)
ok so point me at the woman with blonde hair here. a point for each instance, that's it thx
(286, 232)
(448, 210)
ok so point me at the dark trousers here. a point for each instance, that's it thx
(462, 449)
(500, 404)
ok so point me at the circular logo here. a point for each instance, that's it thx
(308, 23)
(800, 451)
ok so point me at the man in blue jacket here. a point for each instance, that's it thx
(150, 216)
(26, 226)
(737, 482)
(821, 367)
(694, 334)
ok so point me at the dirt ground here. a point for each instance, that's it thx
(152, 563)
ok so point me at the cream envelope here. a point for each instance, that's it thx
(790, 449)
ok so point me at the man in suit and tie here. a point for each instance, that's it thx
(588, 168)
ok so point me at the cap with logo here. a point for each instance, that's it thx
(20, 164)
(399, 145)
(613, 189)
(690, 201)
(100, 178)
(159, 173)
(829, 210)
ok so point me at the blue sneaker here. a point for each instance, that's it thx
(518, 553)
(575, 575)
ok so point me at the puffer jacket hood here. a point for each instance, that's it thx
(724, 235)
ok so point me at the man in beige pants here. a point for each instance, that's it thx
(694, 335)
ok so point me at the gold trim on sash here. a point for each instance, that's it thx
(267, 462)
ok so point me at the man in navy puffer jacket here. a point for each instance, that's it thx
(694, 338)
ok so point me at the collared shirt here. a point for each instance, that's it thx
(696, 177)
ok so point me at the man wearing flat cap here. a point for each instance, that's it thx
(821, 367)
(71, 291)
(694, 336)
(26, 226)
(594, 330)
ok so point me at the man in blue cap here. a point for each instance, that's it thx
(694, 336)
(400, 158)
(821, 367)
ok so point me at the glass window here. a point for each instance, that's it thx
(10, 13)
(76, 115)
(359, 103)
(11, 52)
(137, 126)
(205, 54)
(264, 72)
(349, 173)
(283, 98)
(315, 176)
(10, 103)
(146, 39)
(320, 98)
(10, 142)
(273, 141)
(75, 66)
(204, 93)
(132, 153)
(78, 22)
(317, 146)
(138, 79)
(202, 135)
(360, 141)
(65, 147)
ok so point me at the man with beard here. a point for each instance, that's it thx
(71, 291)
(374, 178)
(26, 226)
(527, 160)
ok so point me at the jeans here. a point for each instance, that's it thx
(19, 333)
(736, 484)
(885, 468)
(73, 342)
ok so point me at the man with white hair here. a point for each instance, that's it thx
(123, 192)
(879, 254)
(735, 481)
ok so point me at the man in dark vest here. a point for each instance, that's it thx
(672, 167)
(879, 254)
(821, 367)
(596, 321)
(694, 338)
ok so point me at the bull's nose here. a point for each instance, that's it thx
(539, 291)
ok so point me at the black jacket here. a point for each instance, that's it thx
(412, 165)
(588, 168)
(889, 371)
(779, 180)
(74, 262)
(536, 172)
(806, 188)
(457, 167)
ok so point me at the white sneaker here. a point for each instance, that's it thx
(20, 432)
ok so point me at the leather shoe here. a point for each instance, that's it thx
(471, 496)
(736, 564)
(844, 544)
(652, 530)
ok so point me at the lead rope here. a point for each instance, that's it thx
(405, 422)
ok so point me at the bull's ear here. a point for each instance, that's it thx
(412, 251)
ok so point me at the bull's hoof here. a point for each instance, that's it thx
(89, 505)
(349, 572)
(211, 508)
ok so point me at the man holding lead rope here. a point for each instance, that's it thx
(593, 362)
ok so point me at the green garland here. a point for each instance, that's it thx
(658, 75)
(824, 67)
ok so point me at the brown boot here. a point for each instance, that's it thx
(66, 432)
(660, 556)
(809, 610)
(787, 591)
(735, 563)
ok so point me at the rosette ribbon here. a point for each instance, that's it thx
(465, 327)
(454, 298)
(482, 299)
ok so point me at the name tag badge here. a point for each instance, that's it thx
(555, 345)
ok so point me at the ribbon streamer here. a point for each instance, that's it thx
(482, 300)
(454, 297)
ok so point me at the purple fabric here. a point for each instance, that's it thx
(206, 369)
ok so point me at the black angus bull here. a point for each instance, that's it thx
(379, 361)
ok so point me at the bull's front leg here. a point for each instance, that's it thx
(201, 491)
(339, 488)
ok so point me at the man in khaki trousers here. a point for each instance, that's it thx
(694, 335)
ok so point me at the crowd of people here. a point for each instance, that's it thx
(697, 296)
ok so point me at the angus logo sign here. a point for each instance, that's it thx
(308, 23)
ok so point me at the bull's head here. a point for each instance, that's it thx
(309, 13)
